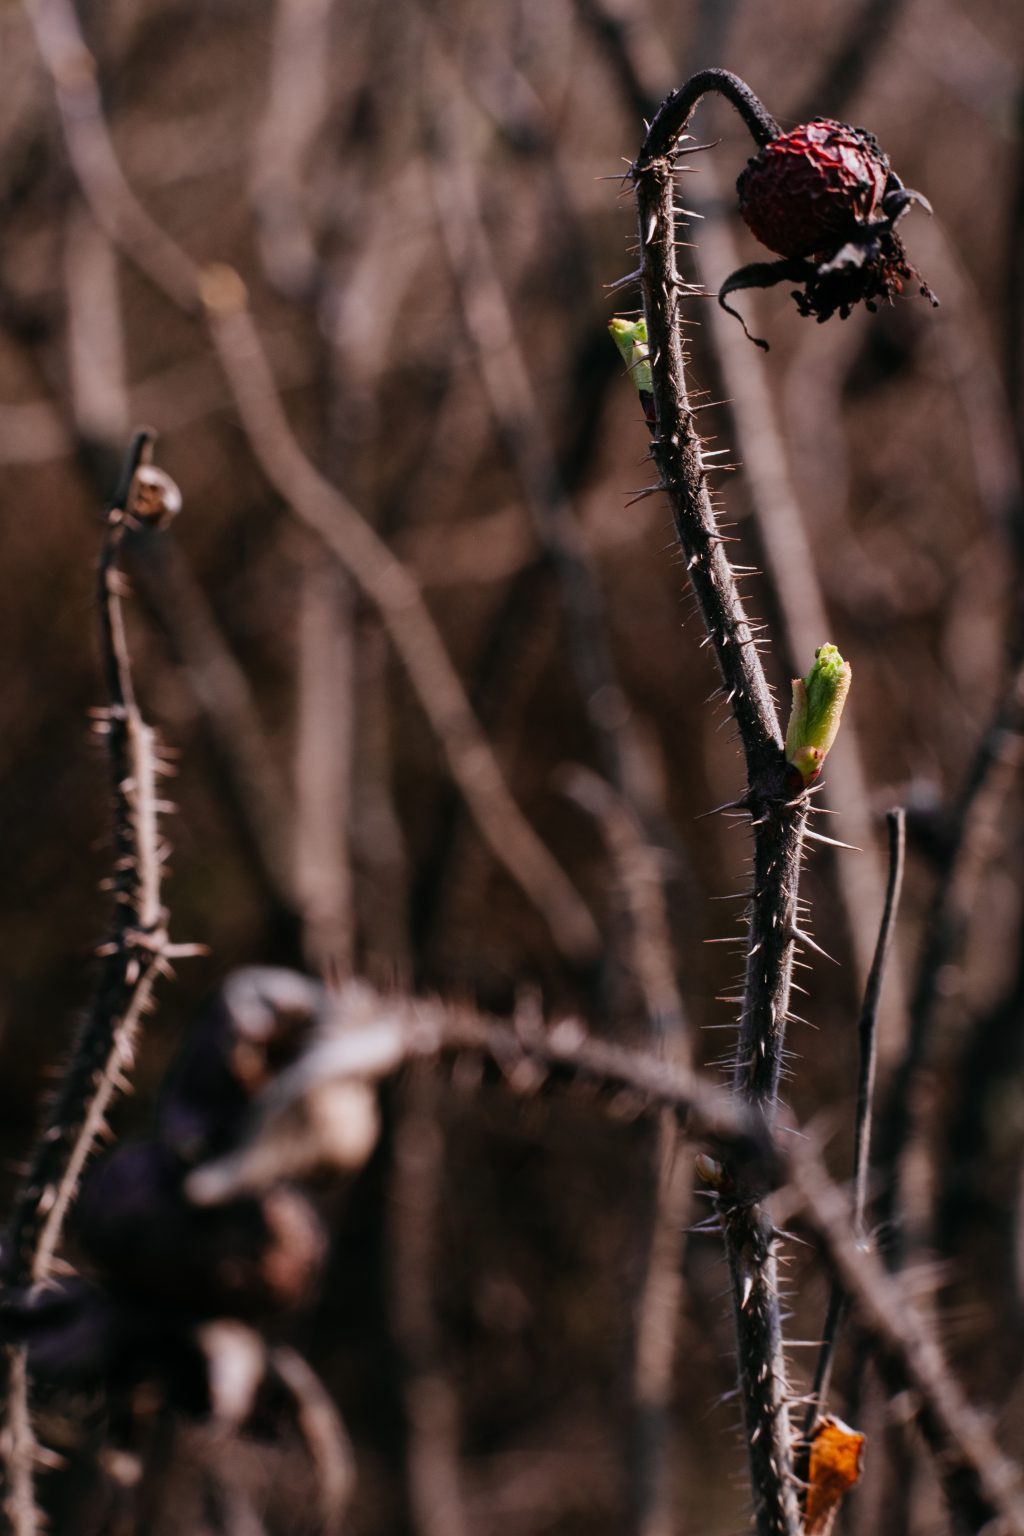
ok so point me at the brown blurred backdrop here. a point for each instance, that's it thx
(423, 201)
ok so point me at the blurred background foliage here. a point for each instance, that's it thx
(361, 165)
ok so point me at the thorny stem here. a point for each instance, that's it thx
(136, 940)
(131, 959)
(778, 820)
(672, 117)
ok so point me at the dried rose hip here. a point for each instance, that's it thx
(825, 198)
(810, 190)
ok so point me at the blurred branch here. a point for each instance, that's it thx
(996, 759)
(326, 1438)
(487, 318)
(222, 692)
(866, 35)
(639, 868)
(980, 1483)
(431, 1402)
(219, 294)
(395, 593)
(368, 1037)
(297, 104)
(115, 207)
(323, 769)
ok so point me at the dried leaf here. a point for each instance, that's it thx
(834, 1468)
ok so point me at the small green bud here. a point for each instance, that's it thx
(630, 336)
(818, 701)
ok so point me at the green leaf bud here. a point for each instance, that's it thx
(818, 701)
(630, 336)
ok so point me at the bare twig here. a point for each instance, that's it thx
(867, 1027)
(370, 1035)
(137, 948)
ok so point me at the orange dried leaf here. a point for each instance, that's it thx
(834, 1468)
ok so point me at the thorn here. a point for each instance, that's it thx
(833, 842)
(799, 937)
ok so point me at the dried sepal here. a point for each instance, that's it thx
(154, 498)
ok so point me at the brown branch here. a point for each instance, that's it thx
(297, 104)
(138, 943)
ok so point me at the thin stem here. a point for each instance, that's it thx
(867, 1032)
(867, 1023)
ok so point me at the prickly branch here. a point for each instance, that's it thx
(130, 960)
(778, 807)
(137, 948)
